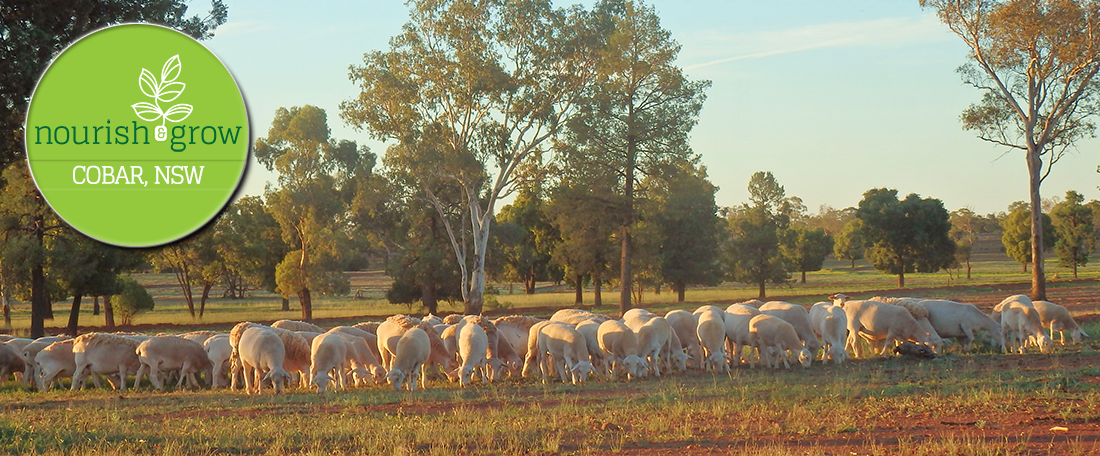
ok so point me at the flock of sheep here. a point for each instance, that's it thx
(573, 344)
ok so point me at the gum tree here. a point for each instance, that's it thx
(1035, 62)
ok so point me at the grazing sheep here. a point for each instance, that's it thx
(11, 362)
(744, 309)
(28, 353)
(368, 326)
(56, 361)
(711, 331)
(1022, 299)
(655, 338)
(218, 351)
(308, 335)
(172, 354)
(636, 317)
(515, 329)
(574, 316)
(452, 319)
(361, 358)
(262, 354)
(472, 348)
(297, 356)
(754, 303)
(798, 317)
(590, 329)
(775, 339)
(831, 324)
(410, 355)
(621, 345)
(450, 340)
(919, 351)
(1020, 322)
(105, 354)
(294, 325)
(532, 357)
(920, 313)
(1057, 318)
(567, 349)
(879, 321)
(738, 337)
(839, 299)
(370, 338)
(962, 322)
(684, 324)
(328, 355)
(432, 320)
(390, 332)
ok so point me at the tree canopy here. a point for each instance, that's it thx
(905, 236)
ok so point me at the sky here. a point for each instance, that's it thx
(834, 97)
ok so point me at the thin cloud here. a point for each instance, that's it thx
(242, 28)
(879, 32)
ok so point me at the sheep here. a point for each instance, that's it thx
(106, 354)
(683, 323)
(774, 339)
(1057, 318)
(472, 348)
(199, 336)
(496, 359)
(754, 303)
(171, 354)
(308, 335)
(361, 356)
(452, 319)
(1022, 299)
(294, 325)
(910, 349)
(738, 337)
(11, 362)
(575, 316)
(218, 351)
(261, 350)
(370, 338)
(798, 317)
(915, 307)
(17, 343)
(28, 353)
(707, 309)
(711, 331)
(54, 361)
(962, 321)
(368, 326)
(568, 350)
(328, 354)
(515, 329)
(880, 321)
(532, 357)
(1019, 321)
(839, 299)
(655, 337)
(621, 345)
(410, 355)
(432, 320)
(450, 340)
(590, 329)
(743, 309)
(831, 324)
(390, 332)
(636, 317)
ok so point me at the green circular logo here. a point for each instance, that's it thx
(137, 135)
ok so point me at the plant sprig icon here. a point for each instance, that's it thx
(164, 91)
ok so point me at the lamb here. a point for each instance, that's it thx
(880, 321)
(55, 361)
(496, 359)
(774, 339)
(839, 299)
(831, 324)
(515, 329)
(655, 338)
(293, 325)
(472, 348)
(171, 354)
(684, 324)
(798, 317)
(962, 321)
(328, 354)
(636, 317)
(621, 345)
(297, 354)
(1019, 321)
(920, 313)
(1022, 299)
(106, 354)
(711, 331)
(1057, 318)
(261, 350)
(410, 355)
(737, 333)
(568, 350)
(574, 316)
(218, 351)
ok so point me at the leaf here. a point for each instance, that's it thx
(148, 84)
(178, 112)
(147, 111)
(171, 69)
(171, 91)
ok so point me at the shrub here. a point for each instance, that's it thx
(131, 301)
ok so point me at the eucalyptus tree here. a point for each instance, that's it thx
(690, 230)
(472, 91)
(1016, 233)
(1076, 236)
(909, 235)
(1035, 62)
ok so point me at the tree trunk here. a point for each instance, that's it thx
(108, 312)
(657, 289)
(39, 302)
(803, 277)
(679, 291)
(901, 279)
(762, 291)
(307, 304)
(428, 298)
(1025, 267)
(529, 285)
(205, 294)
(5, 302)
(1038, 277)
(853, 265)
(579, 299)
(625, 275)
(74, 316)
(95, 305)
(1075, 269)
(286, 304)
(597, 300)
(968, 269)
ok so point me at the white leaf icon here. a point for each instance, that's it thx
(171, 91)
(148, 84)
(171, 69)
(178, 112)
(147, 111)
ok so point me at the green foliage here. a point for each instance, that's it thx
(689, 228)
(131, 301)
(586, 219)
(1016, 234)
(249, 244)
(1075, 232)
(425, 269)
(755, 232)
(849, 245)
(806, 249)
(911, 235)
(523, 242)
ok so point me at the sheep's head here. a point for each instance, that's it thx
(377, 373)
(496, 368)
(321, 381)
(1076, 335)
(839, 299)
(1045, 344)
(580, 371)
(464, 375)
(837, 354)
(804, 357)
(680, 359)
(360, 374)
(277, 377)
(634, 366)
(395, 378)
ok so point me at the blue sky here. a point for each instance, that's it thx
(833, 97)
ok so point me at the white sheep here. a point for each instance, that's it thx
(879, 321)
(105, 354)
(372, 343)
(1022, 299)
(567, 349)
(684, 324)
(391, 331)
(636, 317)
(328, 355)
(28, 353)
(831, 324)
(574, 316)
(532, 358)
(962, 321)
(472, 348)
(590, 329)
(775, 339)
(1019, 322)
(920, 313)
(262, 354)
(743, 309)
(218, 351)
(621, 345)
(515, 329)
(172, 354)
(711, 331)
(293, 325)
(368, 326)
(199, 336)
(738, 337)
(655, 339)
(11, 362)
(798, 317)
(56, 361)
(1057, 318)
(411, 353)
(362, 363)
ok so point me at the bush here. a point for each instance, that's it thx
(131, 301)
